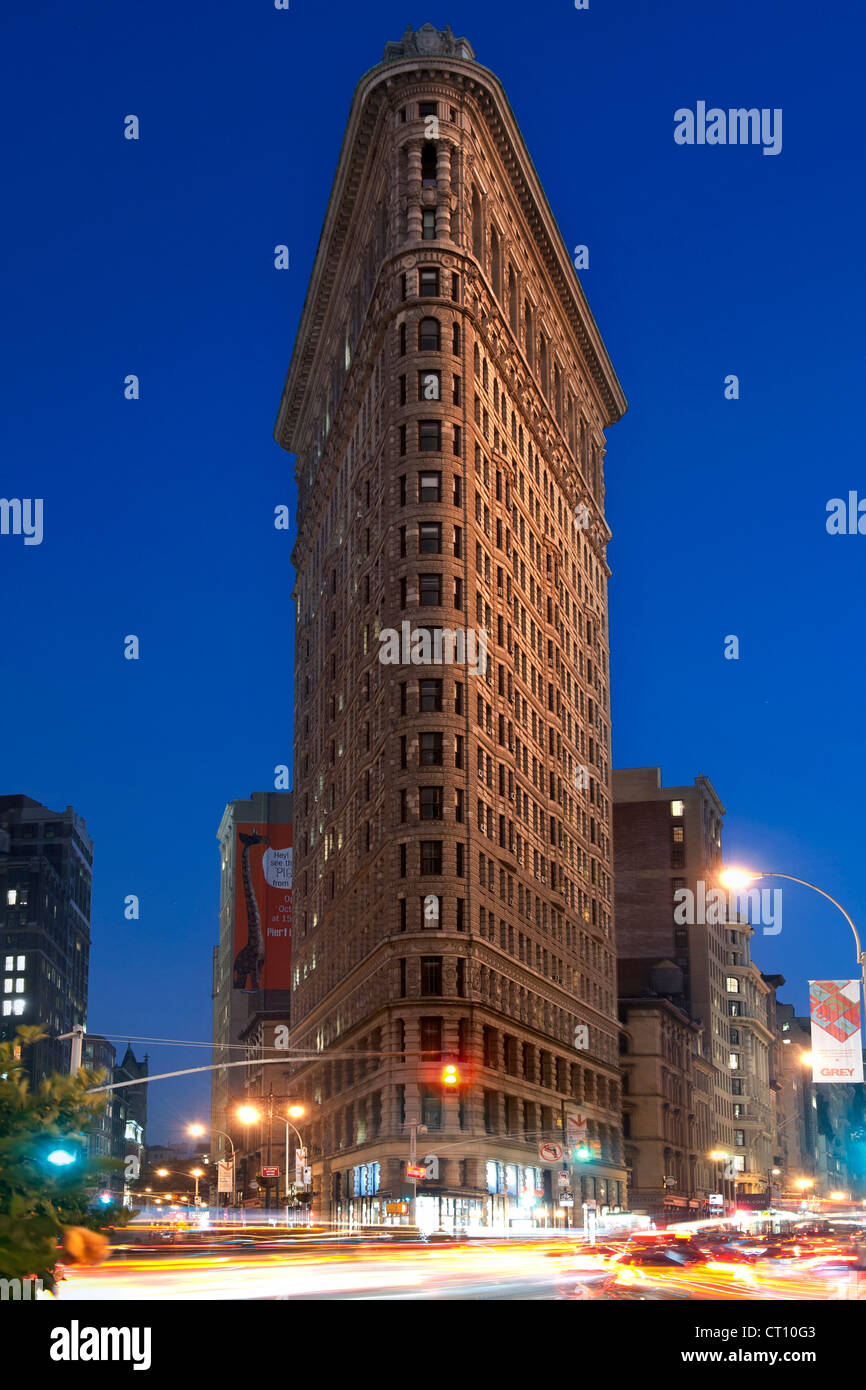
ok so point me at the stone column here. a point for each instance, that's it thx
(443, 190)
(413, 191)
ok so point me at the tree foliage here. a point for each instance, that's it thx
(42, 1203)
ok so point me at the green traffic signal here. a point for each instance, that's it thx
(582, 1154)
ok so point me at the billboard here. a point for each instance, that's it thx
(262, 907)
(837, 1045)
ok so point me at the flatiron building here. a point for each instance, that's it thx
(446, 403)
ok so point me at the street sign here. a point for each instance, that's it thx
(753, 1201)
(431, 1166)
(562, 1177)
(575, 1128)
(549, 1153)
(308, 1176)
(415, 1171)
(270, 1172)
(566, 1201)
(396, 1208)
(716, 1199)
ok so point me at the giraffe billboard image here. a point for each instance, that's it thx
(263, 907)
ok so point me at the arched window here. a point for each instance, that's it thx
(496, 262)
(477, 232)
(429, 336)
(512, 298)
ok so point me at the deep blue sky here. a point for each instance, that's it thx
(156, 258)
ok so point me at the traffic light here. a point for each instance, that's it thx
(450, 1074)
(581, 1153)
(61, 1157)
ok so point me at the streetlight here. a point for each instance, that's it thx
(249, 1115)
(61, 1157)
(804, 1183)
(297, 1112)
(740, 878)
(197, 1130)
(196, 1173)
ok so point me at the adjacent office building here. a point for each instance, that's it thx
(668, 847)
(119, 1131)
(46, 867)
(252, 961)
(446, 402)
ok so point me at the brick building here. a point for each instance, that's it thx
(669, 839)
(234, 1006)
(446, 403)
(667, 1089)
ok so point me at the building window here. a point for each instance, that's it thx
(678, 808)
(428, 282)
(431, 856)
(735, 1037)
(430, 1038)
(429, 487)
(428, 224)
(740, 1138)
(431, 974)
(679, 834)
(430, 590)
(736, 1085)
(734, 1061)
(732, 984)
(430, 696)
(429, 386)
(430, 802)
(429, 335)
(431, 1108)
(431, 911)
(427, 108)
(430, 436)
(430, 748)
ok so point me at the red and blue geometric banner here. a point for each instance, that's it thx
(837, 1041)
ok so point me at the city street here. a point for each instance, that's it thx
(530, 1269)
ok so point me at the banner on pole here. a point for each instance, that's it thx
(837, 1039)
(225, 1175)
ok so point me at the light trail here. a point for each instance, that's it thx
(499, 1270)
